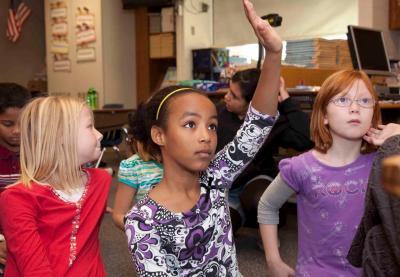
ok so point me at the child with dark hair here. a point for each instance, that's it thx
(291, 130)
(247, 81)
(182, 226)
(12, 98)
(139, 173)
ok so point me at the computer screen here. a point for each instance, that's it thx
(367, 50)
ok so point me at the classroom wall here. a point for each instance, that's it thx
(381, 21)
(112, 74)
(304, 19)
(119, 60)
(375, 14)
(20, 61)
(301, 19)
(82, 75)
(194, 30)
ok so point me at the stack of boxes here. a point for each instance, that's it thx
(318, 53)
(162, 33)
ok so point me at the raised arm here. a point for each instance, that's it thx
(236, 155)
(265, 98)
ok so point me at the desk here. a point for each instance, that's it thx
(387, 105)
(109, 119)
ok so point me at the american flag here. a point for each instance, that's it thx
(17, 14)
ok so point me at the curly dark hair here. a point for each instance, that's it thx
(13, 95)
(145, 116)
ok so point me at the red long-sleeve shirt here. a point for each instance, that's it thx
(48, 236)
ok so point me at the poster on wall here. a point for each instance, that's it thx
(61, 63)
(85, 35)
(59, 46)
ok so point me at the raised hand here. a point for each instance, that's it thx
(268, 37)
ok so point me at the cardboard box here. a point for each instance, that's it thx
(168, 19)
(155, 46)
(162, 45)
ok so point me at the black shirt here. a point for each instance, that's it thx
(292, 130)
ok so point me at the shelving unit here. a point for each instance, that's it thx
(151, 64)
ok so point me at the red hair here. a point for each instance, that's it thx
(334, 85)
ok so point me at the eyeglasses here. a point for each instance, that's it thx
(346, 102)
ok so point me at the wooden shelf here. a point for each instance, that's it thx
(160, 33)
(388, 105)
(150, 72)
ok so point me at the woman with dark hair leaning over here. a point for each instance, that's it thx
(292, 130)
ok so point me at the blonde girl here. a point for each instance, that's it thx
(51, 217)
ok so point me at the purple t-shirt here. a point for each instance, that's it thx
(330, 204)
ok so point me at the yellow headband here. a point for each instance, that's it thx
(166, 97)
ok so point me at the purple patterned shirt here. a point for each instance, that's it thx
(330, 204)
(198, 242)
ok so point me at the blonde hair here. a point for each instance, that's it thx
(334, 85)
(49, 134)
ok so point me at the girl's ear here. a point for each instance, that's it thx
(325, 120)
(157, 135)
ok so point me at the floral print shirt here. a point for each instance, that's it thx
(198, 242)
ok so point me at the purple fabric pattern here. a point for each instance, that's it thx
(198, 242)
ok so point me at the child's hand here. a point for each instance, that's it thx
(267, 36)
(283, 94)
(3, 252)
(280, 269)
(381, 133)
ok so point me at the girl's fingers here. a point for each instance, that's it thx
(252, 17)
(370, 139)
(249, 10)
(373, 131)
(263, 30)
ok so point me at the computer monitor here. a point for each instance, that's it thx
(368, 51)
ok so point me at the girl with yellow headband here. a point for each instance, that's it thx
(182, 226)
